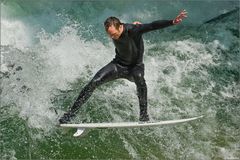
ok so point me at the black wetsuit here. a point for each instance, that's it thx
(128, 63)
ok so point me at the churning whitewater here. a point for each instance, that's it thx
(50, 50)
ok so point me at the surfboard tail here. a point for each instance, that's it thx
(79, 132)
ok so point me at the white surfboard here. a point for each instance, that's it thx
(81, 127)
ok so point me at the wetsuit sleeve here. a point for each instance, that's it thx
(143, 28)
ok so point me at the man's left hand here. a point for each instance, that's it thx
(179, 18)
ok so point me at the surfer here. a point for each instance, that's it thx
(128, 62)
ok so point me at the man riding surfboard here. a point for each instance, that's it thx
(128, 62)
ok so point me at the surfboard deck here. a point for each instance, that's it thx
(82, 126)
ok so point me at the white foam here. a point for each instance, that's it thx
(59, 59)
(15, 33)
(231, 91)
(131, 150)
(227, 153)
(69, 55)
(178, 59)
(8, 154)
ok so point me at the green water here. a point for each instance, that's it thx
(50, 50)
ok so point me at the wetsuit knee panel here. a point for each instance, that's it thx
(141, 84)
(139, 76)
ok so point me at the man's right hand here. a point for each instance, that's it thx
(137, 22)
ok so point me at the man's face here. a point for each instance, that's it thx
(115, 33)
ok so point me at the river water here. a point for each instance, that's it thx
(51, 49)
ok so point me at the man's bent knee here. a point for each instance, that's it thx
(96, 81)
(139, 80)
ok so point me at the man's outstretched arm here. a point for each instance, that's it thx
(143, 28)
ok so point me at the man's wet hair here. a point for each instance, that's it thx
(112, 21)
